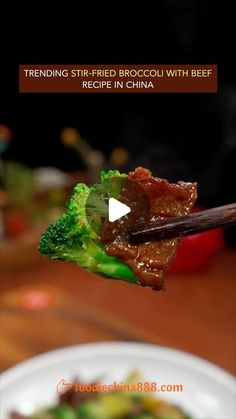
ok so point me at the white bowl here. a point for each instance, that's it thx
(208, 391)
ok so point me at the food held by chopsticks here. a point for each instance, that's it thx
(85, 234)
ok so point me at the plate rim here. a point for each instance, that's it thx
(66, 352)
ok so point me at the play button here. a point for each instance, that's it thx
(116, 210)
(113, 202)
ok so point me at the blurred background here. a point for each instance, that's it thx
(48, 143)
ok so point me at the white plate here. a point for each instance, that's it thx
(209, 392)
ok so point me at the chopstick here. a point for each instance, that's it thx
(185, 225)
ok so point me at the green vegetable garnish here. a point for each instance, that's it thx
(63, 412)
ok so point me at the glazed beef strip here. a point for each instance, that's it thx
(149, 198)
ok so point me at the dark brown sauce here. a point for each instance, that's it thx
(149, 198)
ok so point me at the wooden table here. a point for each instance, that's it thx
(196, 313)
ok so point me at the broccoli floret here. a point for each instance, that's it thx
(73, 239)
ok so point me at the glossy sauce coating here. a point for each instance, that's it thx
(149, 198)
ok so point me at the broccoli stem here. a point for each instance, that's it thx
(117, 269)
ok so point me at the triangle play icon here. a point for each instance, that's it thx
(117, 210)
